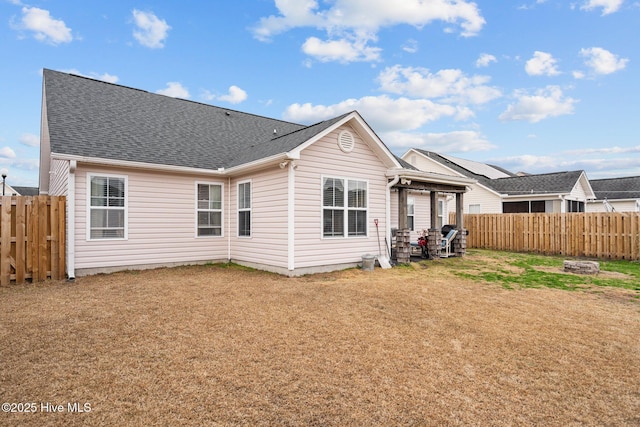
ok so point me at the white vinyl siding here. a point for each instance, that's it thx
(106, 206)
(209, 209)
(269, 222)
(244, 209)
(161, 218)
(325, 159)
(59, 178)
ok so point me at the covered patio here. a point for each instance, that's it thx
(433, 184)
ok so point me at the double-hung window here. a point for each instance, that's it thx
(244, 209)
(344, 213)
(107, 207)
(209, 209)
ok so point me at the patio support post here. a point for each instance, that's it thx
(434, 237)
(460, 241)
(459, 211)
(403, 236)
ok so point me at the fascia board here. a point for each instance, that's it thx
(136, 165)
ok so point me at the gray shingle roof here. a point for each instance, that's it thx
(545, 183)
(92, 118)
(548, 183)
(27, 191)
(616, 188)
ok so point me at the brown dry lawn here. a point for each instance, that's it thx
(216, 345)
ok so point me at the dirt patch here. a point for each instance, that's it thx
(408, 346)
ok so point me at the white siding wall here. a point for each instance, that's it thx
(325, 159)
(619, 206)
(489, 201)
(59, 178)
(161, 222)
(268, 241)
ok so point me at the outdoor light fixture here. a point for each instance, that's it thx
(4, 172)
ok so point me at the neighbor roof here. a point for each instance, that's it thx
(545, 183)
(91, 118)
(616, 188)
(27, 191)
(509, 183)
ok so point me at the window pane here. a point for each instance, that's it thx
(357, 223)
(357, 194)
(98, 186)
(333, 192)
(115, 218)
(98, 218)
(215, 196)
(244, 223)
(333, 222)
(116, 187)
(244, 196)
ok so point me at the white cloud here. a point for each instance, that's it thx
(340, 50)
(450, 142)
(29, 140)
(105, 77)
(351, 24)
(601, 61)
(607, 150)
(546, 103)
(235, 95)
(608, 6)
(45, 28)
(411, 46)
(152, 31)
(174, 90)
(542, 63)
(577, 74)
(485, 59)
(450, 85)
(565, 161)
(383, 113)
(7, 153)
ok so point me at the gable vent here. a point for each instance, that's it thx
(346, 141)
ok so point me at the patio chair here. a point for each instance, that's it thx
(445, 248)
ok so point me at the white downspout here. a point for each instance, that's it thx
(71, 221)
(229, 219)
(387, 222)
(291, 217)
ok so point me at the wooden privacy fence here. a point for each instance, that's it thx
(32, 238)
(613, 235)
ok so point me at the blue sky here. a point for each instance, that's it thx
(532, 85)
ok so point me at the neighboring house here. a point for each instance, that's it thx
(615, 194)
(152, 180)
(499, 191)
(26, 191)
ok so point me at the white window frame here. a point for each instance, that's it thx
(441, 212)
(124, 208)
(245, 209)
(345, 208)
(221, 210)
(411, 213)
